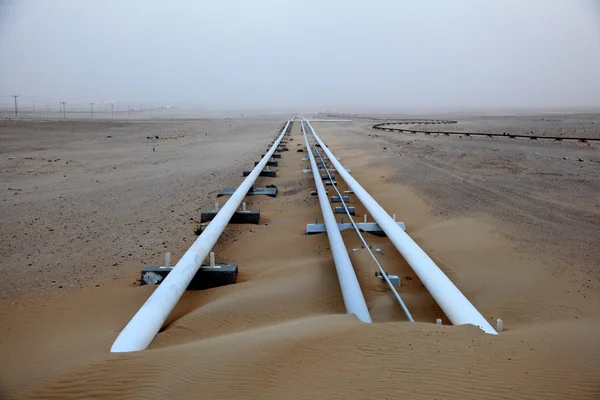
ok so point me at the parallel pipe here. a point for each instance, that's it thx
(146, 323)
(455, 305)
(351, 292)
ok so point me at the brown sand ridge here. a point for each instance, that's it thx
(281, 332)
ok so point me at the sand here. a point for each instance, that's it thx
(514, 225)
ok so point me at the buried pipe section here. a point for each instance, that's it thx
(146, 323)
(351, 292)
(455, 305)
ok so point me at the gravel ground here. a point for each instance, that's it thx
(544, 194)
(88, 202)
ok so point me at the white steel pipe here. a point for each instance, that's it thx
(351, 292)
(455, 305)
(146, 323)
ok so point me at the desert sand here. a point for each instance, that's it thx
(87, 204)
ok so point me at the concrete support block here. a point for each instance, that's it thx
(267, 191)
(239, 217)
(337, 199)
(341, 210)
(269, 163)
(207, 276)
(270, 173)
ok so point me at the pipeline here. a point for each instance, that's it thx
(351, 292)
(455, 305)
(145, 324)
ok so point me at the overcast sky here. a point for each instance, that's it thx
(305, 54)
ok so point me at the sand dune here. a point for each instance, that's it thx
(336, 356)
(282, 331)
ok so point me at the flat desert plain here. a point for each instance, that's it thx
(515, 224)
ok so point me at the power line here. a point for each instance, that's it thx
(16, 106)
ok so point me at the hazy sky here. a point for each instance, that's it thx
(305, 54)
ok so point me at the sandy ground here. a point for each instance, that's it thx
(513, 224)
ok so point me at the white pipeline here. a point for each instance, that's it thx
(353, 297)
(146, 323)
(455, 305)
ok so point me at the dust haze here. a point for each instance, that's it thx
(304, 55)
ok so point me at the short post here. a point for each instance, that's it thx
(217, 206)
(342, 219)
(167, 259)
(499, 325)
(365, 218)
(244, 206)
(212, 259)
(438, 321)
(394, 216)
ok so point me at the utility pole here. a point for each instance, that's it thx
(64, 105)
(47, 110)
(16, 106)
(112, 113)
(92, 108)
(33, 100)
